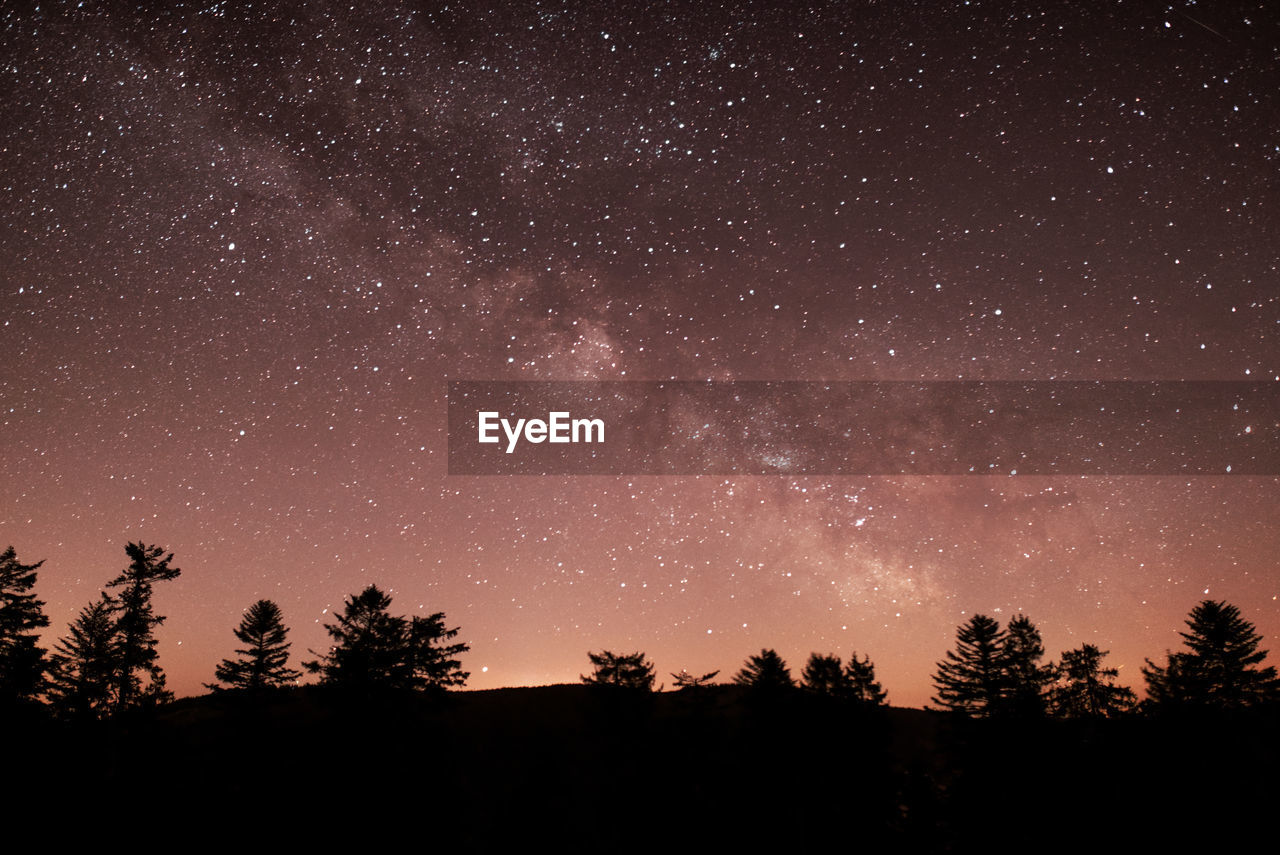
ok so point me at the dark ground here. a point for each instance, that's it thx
(610, 772)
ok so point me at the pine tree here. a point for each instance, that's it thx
(85, 664)
(626, 671)
(264, 660)
(972, 679)
(1087, 690)
(434, 667)
(135, 624)
(368, 648)
(824, 675)
(374, 650)
(22, 660)
(1026, 680)
(1173, 685)
(765, 673)
(860, 677)
(854, 682)
(684, 681)
(1221, 668)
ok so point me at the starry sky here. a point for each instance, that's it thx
(245, 247)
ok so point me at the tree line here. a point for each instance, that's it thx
(996, 672)
(764, 674)
(107, 662)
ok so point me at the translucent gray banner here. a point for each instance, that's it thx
(864, 428)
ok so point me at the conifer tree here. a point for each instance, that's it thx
(85, 663)
(972, 679)
(1221, 668)
(375, 650)
(22, 660)
(766, 672)
(854, 682)
(1087, 690)
(1172, 685)
(1027, 681)
(860, 677)
(624, 671)
(368, 645)
(684, 681)
(263, 662)
(434, 666)
(135, 624)
(824, 675)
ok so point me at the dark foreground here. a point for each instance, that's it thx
(598, 772)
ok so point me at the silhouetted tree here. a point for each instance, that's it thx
(85, 664)
(264, 660)
(855, 682)
(135, 624)
(1220, 670)
(22, 660)
(684, 681)
(630, 671)
(1087, 690)
(1175, 684)
(368, 645)
(766, 672)
(375, 650)
(1026, 680)
(435, 667)
(860, 677)
(823, 675)
(972, 679)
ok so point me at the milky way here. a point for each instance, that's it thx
(243, 252)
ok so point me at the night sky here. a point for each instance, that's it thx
(244, 250)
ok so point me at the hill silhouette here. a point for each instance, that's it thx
(490, 768)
